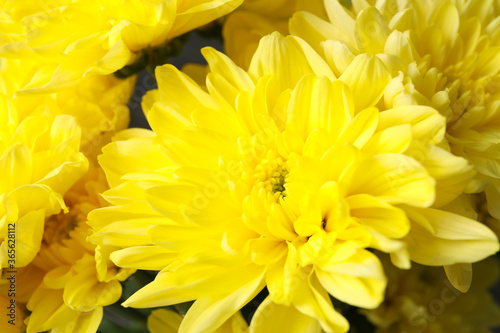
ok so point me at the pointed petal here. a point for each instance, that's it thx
(164, 321)
(460, 276)
(289, 58)
(208, 313)
(371, 31)
(441, 238)
(282, 319)
(367, 77)
(359, 281)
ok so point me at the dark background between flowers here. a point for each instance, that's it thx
(118, 319)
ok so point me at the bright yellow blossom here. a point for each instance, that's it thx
(280, 177)
(77, 39)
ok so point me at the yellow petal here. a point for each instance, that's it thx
(313, 29)
(384, 141)
(319, 104)
(143, 257)
(160, 292)
(394, 178)
(371, 31)
(312, 300)
(341, 18)
(282, 318)
(137, 37)
(403, 20)
(446, 16)
(83, 292)
(208, 313)
(89, 321)
(359, 281)
(460, 276)
(398, 45)
(338, 55)
(453, 174)
(123, 157)
(367, 77)
(360, 129)
(16, 167)
(117, 57)
(426, 123)
(200, 13)
(441, 238)
(289, 58)
(221, 64)
(235, 324)
(376, 214)
(164, 321)
(29, 231)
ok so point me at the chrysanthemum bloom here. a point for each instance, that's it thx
(76, 39)
(73, 279)
(98, 104)
(441, 53)
(166, 321)
(281, 177)
(422, 300)
(40, 161)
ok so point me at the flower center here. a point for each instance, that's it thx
(58, 227)
(271, 174)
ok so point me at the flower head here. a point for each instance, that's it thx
(279, 177)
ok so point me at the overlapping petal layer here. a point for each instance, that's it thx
(282, 176)
(76, 39)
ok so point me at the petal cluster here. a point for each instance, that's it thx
(282, 176)
(335, 170)
(77, 39)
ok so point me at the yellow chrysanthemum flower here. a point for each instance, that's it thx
(280, 177)
(40, 161)
(73, 279)
(76, 39)
(441, 53)
(422, 300)
(166, 321)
